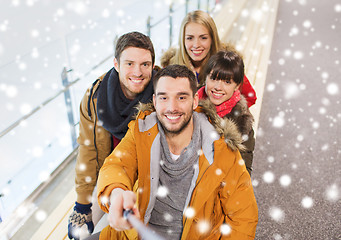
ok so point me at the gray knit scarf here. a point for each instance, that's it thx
(178, 178)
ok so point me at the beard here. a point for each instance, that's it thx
(174, 132)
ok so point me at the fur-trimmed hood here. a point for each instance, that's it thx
(224, 126)
(166, 58)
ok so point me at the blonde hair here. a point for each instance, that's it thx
(204, 19)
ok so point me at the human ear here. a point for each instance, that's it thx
(195, 101)
(116, 65)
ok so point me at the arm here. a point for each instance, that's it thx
(239, 204)
(119, 169)
(248, 92)
(87, 166)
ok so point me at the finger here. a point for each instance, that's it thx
(129, 200)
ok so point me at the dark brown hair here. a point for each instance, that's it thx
(134, 39)
(225, 65)
(177, 71)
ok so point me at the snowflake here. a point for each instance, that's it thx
(281, 61)
(189, 212)
(324, 75)
(82, 167)
(22, 211)
(271, 159)
(337, 8)
(40, 216)
(270, 87)
(268, 177)
(332, 193)
(300, 138)
(307, 24)
(293, 31)
(11, 91)
(278, 122)
(218, 171)
(285, 180)
(104, 200)
(325, 147)
(291, 90)
(203, 226)
(88, 179)
(298, 55)
(22, 66)
(307, 202)
(35, 33)
(332, 89)
(120, 13)
(87, 142)
(168, 217)
(255, 182)
(162, 191)
(225, 229)
(276, 214)
(35, 53)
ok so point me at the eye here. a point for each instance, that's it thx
(182, 98)
(189, 38)
(146, 64)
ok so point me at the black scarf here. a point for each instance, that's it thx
(114, 110)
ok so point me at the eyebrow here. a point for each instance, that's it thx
(206, 34)
(150, 62)
(179, 93)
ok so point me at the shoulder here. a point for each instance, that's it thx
(242, 116)
(225, 127)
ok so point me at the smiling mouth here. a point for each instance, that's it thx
(197, 52)
(172, 117)
(136, 80)
(217, 95)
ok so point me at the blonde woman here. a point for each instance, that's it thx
(198, 41)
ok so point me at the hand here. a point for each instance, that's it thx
(80, 221)
(120, 200)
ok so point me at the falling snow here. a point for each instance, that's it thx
(276, 214)
(307, 202)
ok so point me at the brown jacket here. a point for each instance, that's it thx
(95, 144)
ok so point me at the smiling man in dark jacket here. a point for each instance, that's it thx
(105, 111)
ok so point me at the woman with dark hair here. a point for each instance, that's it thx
(224, 74)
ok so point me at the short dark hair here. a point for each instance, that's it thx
(134, 39)
(225, 65)
(177, 71)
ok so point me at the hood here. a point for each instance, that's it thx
(167, 56)
(224, 126)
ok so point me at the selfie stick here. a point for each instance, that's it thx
(142, 229)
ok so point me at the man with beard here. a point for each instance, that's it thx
(193, 184)
(105, 111)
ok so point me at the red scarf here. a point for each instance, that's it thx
(225, 107)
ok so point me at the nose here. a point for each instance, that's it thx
(137, 71)
(172, 105)
(196, 43)
(217, 85)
